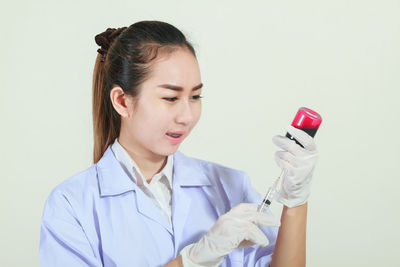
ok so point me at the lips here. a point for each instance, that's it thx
(175, 137)
(175, 134)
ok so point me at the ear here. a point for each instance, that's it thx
(120, 101)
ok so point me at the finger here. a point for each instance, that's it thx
(297, 161)
(262, 218)
(253, 216)
(302, 137)
(255, 235)
(291, 184)
(258, 218)
(283, 164)
(244, 207)
(246, 244)
(288, 145)
(288, 157)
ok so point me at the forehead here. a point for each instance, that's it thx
(179, 67)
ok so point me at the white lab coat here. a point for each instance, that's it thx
(99, 217)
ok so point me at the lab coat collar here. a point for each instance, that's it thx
(112, 178)
(114, 181)
(188, 172)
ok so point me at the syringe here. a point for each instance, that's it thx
(263, 207)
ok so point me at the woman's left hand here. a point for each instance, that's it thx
(298, 164)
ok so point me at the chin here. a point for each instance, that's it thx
(170, 150)
(166, 151)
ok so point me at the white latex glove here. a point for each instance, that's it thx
(298, 165)
(238, 228)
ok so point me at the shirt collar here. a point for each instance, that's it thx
(132, 169)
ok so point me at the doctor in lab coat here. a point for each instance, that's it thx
(144, 203)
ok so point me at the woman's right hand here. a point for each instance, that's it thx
(238, 228)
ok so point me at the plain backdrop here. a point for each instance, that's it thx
(260, 61)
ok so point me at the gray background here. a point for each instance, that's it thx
(260, 61)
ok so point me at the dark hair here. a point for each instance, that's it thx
(124, 60)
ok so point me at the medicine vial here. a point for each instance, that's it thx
(306, 120)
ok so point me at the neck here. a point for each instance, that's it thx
(148, 163)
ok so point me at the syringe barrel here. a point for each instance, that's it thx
(263, 207)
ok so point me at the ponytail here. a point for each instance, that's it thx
(105, 122)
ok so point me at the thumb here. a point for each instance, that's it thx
(306, 140)
(263, 219)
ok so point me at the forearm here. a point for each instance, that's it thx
(290, 247)
(177, 262)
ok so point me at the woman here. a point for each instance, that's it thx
(143, 203)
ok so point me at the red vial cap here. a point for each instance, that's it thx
(307, 119)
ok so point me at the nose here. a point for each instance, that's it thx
(184, 114)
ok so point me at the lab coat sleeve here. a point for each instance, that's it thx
(62, 239)
(258, 256)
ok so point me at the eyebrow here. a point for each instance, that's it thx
(179, 88)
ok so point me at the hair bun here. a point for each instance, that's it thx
(105, 39)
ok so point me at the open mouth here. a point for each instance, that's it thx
(174, 135)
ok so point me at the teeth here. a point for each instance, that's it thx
(174, 135)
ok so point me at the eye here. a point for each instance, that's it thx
(196, 97)
(170, 99)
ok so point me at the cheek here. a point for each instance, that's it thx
(147, 112)
(197, 113)
(155, 120)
